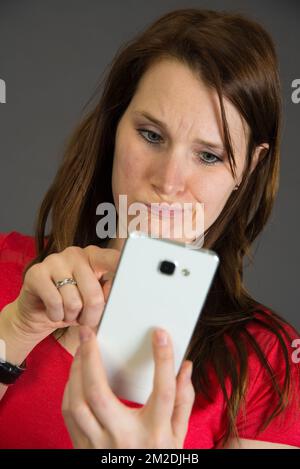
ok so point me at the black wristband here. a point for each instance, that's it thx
(10, 373)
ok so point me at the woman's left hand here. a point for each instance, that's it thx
(96, 418)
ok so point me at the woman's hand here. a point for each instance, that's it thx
(96, 418)
(41, 308)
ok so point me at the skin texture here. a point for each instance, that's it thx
(97, 419)
(171, 171)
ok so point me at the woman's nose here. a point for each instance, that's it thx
(169, 177)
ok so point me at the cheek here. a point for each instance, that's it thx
(213, 192)
(128, 169)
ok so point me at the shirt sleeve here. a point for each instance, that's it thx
(16, 250)
(2, 239)
(261, 398)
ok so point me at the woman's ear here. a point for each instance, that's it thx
(259, 154)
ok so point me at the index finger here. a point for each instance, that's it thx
(102, 260)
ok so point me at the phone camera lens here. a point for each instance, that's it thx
(167, 267)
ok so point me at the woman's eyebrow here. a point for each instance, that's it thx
(147, 115)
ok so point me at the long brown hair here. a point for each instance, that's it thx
(236, 57)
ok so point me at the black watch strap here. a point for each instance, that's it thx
(10, 373)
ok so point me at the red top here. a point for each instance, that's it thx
(30, 411)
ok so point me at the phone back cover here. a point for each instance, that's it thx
(141, 299)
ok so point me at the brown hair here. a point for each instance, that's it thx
(236, 57)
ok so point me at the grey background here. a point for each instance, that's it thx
(52, 54)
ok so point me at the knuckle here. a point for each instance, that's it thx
(51, 259)
(72, 251)
(73, 306)
(90, 320)
(54, 303)
(33, 271)
(77, 410)
(53, 255)
(91, 249)
(94, 302)
(96, 397)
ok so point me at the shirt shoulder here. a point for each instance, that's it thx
(16, 247)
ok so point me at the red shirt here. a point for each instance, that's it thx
(30, 411)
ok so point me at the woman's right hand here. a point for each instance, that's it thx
(41, 308)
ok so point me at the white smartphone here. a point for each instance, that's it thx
(158, 283)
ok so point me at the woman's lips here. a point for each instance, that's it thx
(162, 210)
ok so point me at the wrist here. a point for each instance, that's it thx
(17, 344)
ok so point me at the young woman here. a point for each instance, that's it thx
(190, 112)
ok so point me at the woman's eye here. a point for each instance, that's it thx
(208, 158)
(149, 132)
(204, 157)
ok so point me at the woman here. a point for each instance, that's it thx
(190, 112)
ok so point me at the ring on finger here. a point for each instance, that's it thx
(65, 281)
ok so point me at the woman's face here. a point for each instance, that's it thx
(186, 162)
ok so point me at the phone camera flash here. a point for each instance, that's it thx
(185, 272)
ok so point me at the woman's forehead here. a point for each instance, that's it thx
(172, 94)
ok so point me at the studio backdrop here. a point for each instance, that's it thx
(52, 56)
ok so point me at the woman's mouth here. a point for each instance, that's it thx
(164, 210)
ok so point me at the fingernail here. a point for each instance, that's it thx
(161, 337)
(84, 333)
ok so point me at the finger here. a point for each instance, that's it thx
(184, 400)
(104, 404)
(161, 401)
(106, 289)
(91, 293)
(71, 298)
(38, 282)
(107, 276)
(102, 260)
(83, 418)
(78, 438)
